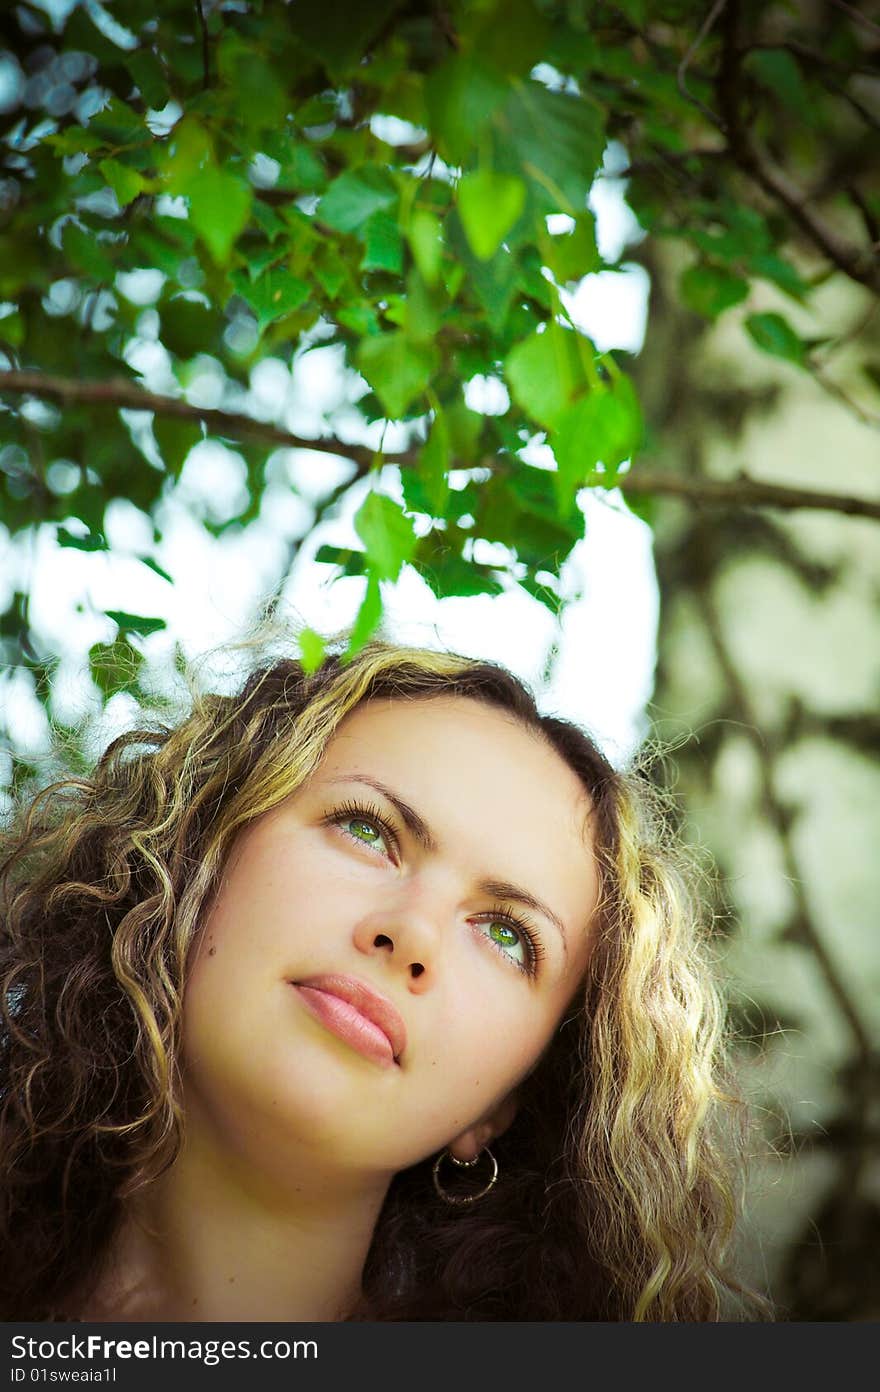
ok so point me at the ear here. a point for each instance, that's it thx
(469, 1143)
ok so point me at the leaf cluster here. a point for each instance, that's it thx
(237, 181)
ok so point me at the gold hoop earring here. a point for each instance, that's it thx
(464, 1165)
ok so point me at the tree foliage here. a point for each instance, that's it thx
(411, 182)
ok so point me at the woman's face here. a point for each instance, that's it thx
(439, 858)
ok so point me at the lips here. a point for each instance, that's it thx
(369, 1004)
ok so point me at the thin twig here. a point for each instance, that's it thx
(206, 70)
(857, 16)
(681, 71)
(855, 262)
(835, 390)
(860, 265)
(872, 227)
(742, 491)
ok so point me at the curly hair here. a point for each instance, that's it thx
(622, 1172)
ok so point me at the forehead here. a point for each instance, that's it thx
(449, 738)
(481, 779)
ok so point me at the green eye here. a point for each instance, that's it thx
(503, 934)
(509, 941)
(364, 831)
(364, 826)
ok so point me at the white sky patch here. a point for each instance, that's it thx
(488, 395)
(611, 307)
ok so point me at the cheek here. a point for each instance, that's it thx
(485, 1047)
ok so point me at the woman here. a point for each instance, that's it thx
(365, 994)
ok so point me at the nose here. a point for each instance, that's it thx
(407, 929)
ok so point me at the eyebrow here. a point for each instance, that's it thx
(416, 824)
(408, 815)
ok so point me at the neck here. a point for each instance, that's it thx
(210, 1241)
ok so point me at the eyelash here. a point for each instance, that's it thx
(534, 950)
(363, 812)
(368, 812)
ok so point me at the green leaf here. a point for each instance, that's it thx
(301, 167)
(311, 650)
(330, 271)
(397, 369)
(273, 294)
(367, 618)
(545, 372)
(261, 101)
(189, 151)
(87, 253)
(219, 204)
(136, 623)
(493, 282)
(426, 242)
(489, 204)
(125, 182)
(118, 123)
(74, 140)
(424, 310)
(92, 542)
(556, 139)
(355, 196)
(187, 325)
(155, 566)
(448, 573)
(541, 537)
(465, 428)
(360, 318)
(603, 427)
(535, 492)
(774, 335)
(510, 37)
(12, 330)
(462, 95)
(782, 273)
(268, 219)
(433, 467)
(352, 562)
(114, 666)
(149, 76)
(709, 290)
(175, 438)
(387, 533)
(384, 244)
(574, 254)
(779, 72)
(339, 32)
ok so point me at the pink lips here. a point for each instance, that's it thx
(356, 1013)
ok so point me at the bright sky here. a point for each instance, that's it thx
(602, 672)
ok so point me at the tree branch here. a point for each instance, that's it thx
(119, 393)
(860, 265)
(743, 492)
(804, 928)
(124, 395)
